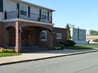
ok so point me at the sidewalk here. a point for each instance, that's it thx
(42, 55)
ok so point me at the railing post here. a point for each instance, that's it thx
(5, 15)
(18, 10)
(39, 15)
(51, 19)
(17, 13)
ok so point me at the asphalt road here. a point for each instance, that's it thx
(84, 63)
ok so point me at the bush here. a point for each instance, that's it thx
(95, 40)
(1, 49)
(8, 51)
(58, 47)
(68, 43)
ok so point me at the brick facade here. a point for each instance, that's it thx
(1, 34)
(62, 31)
(18, 34)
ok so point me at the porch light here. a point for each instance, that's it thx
(20, 29)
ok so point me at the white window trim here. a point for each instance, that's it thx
(58, 35)
(45, 36)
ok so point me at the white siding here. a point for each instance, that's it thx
(78, 35)
(34, 13)
(34, 10)
(50, 15)
(1, 16)
(10, 5)
(82, 35)
(75, 34)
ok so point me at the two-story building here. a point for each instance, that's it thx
(25, 24)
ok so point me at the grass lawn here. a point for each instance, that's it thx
(82, 47)
(8, 54)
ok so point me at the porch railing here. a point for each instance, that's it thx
(31, 16)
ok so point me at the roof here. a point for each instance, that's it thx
(79, 29)
(34, 5)
(59, 28)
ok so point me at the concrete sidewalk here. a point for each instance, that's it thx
(42, 55)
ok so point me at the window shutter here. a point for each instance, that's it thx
(39, 15)
(28, 11)
(18, 10)
(48, 15)
(1, 5)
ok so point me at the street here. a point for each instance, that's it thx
(83, 63)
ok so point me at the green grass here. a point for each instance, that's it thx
(82, 47)
(8, 54)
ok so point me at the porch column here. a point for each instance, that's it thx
(18, 38)
(50, 40)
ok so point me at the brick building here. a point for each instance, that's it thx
(24, 24)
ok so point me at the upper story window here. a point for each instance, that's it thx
(23, 10)
(58, 36)
(44, 14)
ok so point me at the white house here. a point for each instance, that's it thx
(78, 35)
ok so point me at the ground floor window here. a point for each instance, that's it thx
(44, 36)
(58, 36)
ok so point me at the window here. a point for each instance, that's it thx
(23, 10)
(44, 14)
(44, 36)
(58, 36)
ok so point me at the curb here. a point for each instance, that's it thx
(70, 54)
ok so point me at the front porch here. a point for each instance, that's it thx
(25, 36)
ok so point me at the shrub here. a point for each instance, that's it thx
(1, 49)
(95, 40)
(8, 51)
(68, 43)
(58, 47)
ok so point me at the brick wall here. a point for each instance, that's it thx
(59, 30)
(1, 34)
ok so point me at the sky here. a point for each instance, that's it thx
(80, 13)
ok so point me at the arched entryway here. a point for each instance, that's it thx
(10, 36)
(31, 39)
(28, 35)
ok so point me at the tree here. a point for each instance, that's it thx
(68, 32)
(93, 32)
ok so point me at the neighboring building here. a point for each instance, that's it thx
(90, 38)
(78, 35)
(60, 34)
(25, 24)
